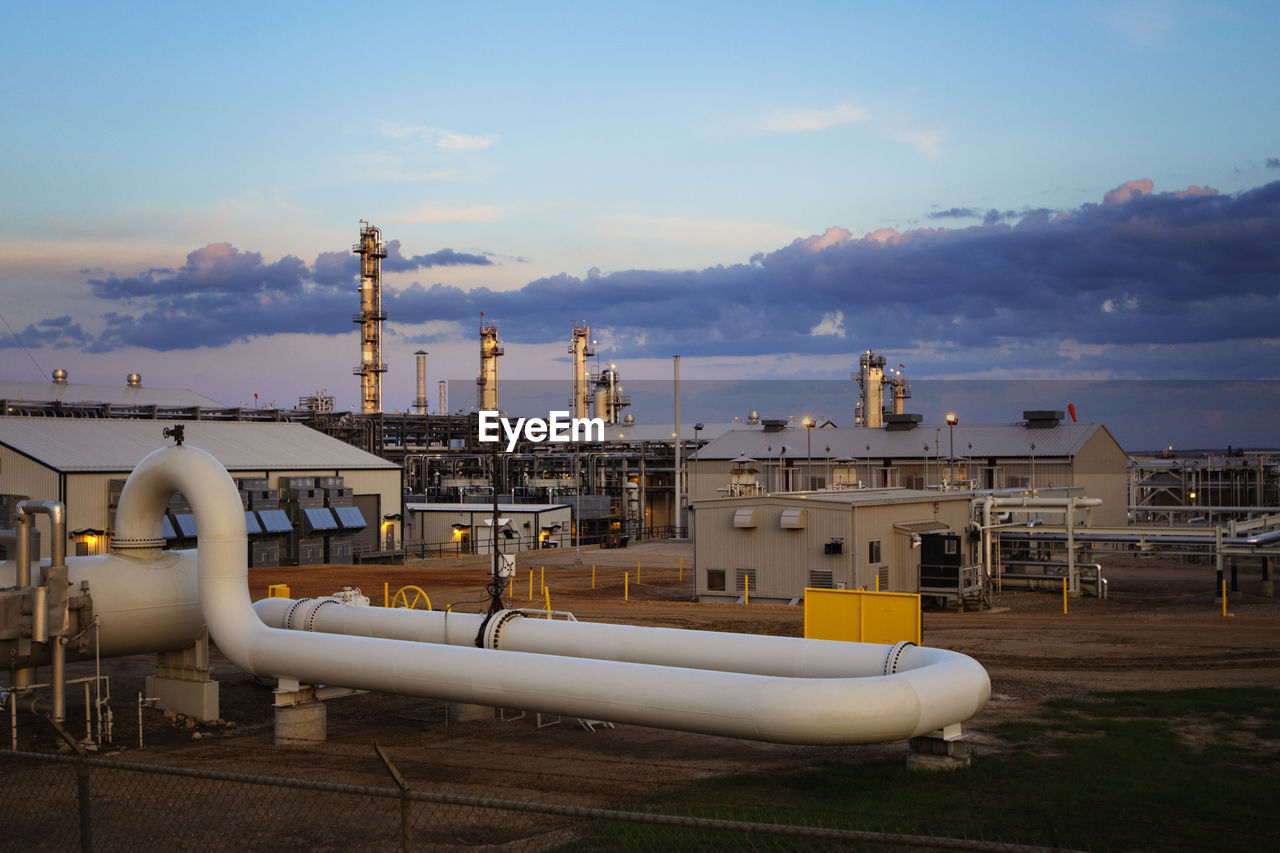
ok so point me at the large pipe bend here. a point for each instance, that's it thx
(932, 689)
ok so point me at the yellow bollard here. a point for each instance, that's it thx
(547, 593)
(626, 586)
(531, 584)
(1064, 596)
(637, 571)
(877, 581)
(542, 576)
(746, 589)
(682, 569)
(386, 594)
(1224, 596)
(593, 575)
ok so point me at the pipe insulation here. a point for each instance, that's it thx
(807, 696)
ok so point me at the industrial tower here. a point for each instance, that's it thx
(487, 380)
(580, 349)
(370, 318)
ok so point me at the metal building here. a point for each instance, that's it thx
(781, 544)
(1040, 453)
(75, 461)
(466, 528)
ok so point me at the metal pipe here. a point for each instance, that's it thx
(932, 688)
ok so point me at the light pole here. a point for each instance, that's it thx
(808, 462)
(828, 466)
(951, 433)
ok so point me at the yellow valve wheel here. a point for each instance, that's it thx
(409, 596)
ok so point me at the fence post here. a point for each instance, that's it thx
(86, 816)
(406, 826)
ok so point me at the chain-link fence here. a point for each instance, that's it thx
(57, 802)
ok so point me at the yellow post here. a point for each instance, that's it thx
(746, 589)
(542, 576)
(1224, 596)
(626, 586)
(593, 575)
(546, 592)
(637, 571)
(877, 581)
(682, 569)
(386, 594)
(531, 584)
(1064, 595)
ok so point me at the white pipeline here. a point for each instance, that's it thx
(785, 690)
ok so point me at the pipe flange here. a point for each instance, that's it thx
(892, 659)
(136, 544)
(311, 616)
(493, 631)
(288, 614)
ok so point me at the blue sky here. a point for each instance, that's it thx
(982, 190)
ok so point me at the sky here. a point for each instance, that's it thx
(1083, 191)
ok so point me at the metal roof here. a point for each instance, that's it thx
(72, 445)
(666, 432)
(484, 508)
(988, 440)
(116, 395)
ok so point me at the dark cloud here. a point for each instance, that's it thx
(396, 262)
(51, 332)
(1145, 269)
(956, 213)
(1141, 283)
(222, 295)
(1273, 162)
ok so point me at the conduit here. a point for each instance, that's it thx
(804, 692)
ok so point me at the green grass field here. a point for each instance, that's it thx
(1155, 771)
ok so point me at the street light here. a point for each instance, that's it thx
(951, 432)
(808, 463)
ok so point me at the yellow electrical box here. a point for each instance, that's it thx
(860, 616)
(278, 590)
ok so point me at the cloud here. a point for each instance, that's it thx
(1129, 189)
(50, 332)
(1161, 283)
(809, 120)
(832, 323)
(223, 295)
(438, 213)
(447, 139)
(1273, 162)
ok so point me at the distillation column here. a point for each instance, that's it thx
(370, 318)
(420, 404)
(870, 377)
(899, 389)
(487, 381)
(580, 350)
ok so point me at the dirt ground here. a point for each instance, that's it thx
(1160, 628)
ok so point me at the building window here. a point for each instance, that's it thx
(873, 551)
(951, 544)
(715, 579)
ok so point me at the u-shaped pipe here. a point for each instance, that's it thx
(814, 692)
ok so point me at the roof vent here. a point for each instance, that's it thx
(774, 424)
(1042, 419)
(60, 376)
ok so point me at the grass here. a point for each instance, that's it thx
(1193, 769)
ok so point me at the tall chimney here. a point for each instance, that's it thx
(421, 404)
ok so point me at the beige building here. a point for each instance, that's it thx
(1042, 453)
(467, 528)
(842, 539)
(75, 461)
